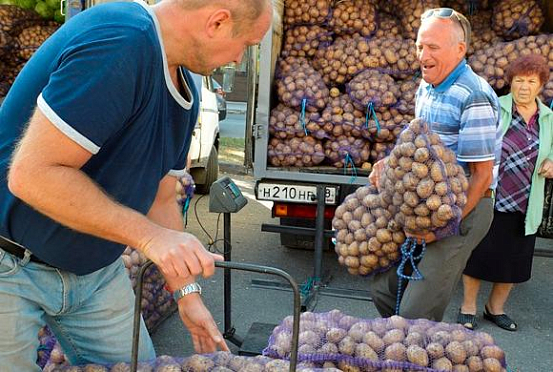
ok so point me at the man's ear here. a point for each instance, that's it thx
(462, 48)
(218, 21)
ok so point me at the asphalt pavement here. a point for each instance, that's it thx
(531, 303)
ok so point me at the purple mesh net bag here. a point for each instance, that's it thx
(300, 86)
(337, 340)
(215, 362)
(353, 17)
(428, 185)
(296, 152)
(306, 12)
(513, 19)
(347, 152)
(303, 41)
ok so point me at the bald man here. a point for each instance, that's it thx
(93, 135)
(464, 110)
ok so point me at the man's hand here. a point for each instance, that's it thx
(428, 237)
(378, 167)
(179, 254)
(195, 316)
(546, 169)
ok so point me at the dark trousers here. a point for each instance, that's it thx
(441, 266)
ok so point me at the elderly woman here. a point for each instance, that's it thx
(504, 257)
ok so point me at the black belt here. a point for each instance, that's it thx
(18, 250)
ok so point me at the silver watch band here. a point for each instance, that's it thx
(186, 290)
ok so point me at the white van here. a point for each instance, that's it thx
(204, 148)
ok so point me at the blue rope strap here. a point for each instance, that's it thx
(551, 105)
(408, 255)
(302, 117)
(372, 113)
(307, 287)
(472, 7)
(349, 160)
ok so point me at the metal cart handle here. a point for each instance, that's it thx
(225, 265)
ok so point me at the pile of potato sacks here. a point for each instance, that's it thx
(363, 51)
(421, 189)
(336, 340)
(22, 31)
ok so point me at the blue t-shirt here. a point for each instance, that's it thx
(103, 81)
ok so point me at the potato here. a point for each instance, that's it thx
(442, 364)
(328, 348)
(374, 341)
(365, 351)
(347, 346)
(198, 363)
(396, 352)
(353, 17)
(456, 352)
(492, 351)
(435, 350)
(303, 41)
(475, 364)
(393, 336)
(306, 12)
(414, 338)
(417, 355)
(492, 365)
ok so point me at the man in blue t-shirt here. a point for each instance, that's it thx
(93, 135)
(463, 110)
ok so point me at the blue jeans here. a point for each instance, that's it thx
(91, 315)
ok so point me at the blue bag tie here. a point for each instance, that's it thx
(349, 160)
(302, 117)
(372, 113)
(407, 255)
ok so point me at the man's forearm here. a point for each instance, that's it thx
(166, 213)
(69, 196)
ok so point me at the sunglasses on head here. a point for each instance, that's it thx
(444, 13)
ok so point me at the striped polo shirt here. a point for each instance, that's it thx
(464, 111)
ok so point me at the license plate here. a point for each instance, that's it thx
(294, 193)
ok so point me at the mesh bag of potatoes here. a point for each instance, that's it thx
(306, 12)
(429, 186)
(353, 17)
(303, 41)
(13, 19)
(31, 38)
(336, 340)
(393, 56)
(347, 152)
(546, 95)
(492, 62)
(216, 362)
(300, 86)
(343, 59)
(407, 90)
(409, 13)
(341, 117)
(373, 87)
(388, 26)
(287, 123)
(482, 36)
(366, 242)
(513, 19)
(295, 152)
(386, 126)
(380, 150)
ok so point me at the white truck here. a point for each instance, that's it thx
(292, 190)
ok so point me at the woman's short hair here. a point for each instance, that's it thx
(528, 65)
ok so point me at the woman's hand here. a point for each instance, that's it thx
(546, 169)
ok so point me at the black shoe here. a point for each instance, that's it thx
(467, 320)
(501, 320)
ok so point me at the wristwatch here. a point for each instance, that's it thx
(186, 290)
